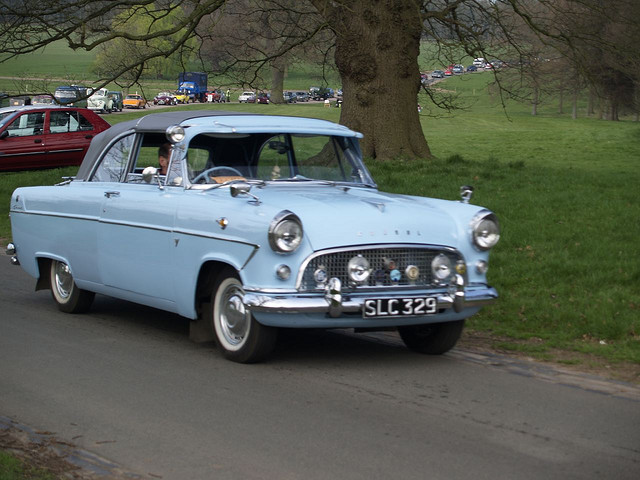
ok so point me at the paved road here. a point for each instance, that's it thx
(125, 383)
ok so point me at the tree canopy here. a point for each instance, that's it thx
(375, 44)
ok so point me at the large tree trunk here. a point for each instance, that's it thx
(534, 101)
(377, 51)
(277, 80)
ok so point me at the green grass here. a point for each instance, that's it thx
(12, 468)
(55, 61)
(568, 264)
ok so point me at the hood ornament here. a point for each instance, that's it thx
(466, 192)
(379, 205)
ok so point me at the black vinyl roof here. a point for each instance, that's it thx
(157, 122)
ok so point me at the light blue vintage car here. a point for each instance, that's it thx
(258, 223)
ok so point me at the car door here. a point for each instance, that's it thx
(67, 138)
(22, 142)
(135, 232)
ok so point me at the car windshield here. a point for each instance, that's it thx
(282, 158)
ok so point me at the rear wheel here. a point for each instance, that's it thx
(240, 337)
(65, 292)
(432, 339)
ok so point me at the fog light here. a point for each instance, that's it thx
(359, 269)
(461, 267)
(283, 272)
(482, 267)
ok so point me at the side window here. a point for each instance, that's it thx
(147, 157)
(83, 124)
(27, 124)
(68, 121)
(114, 162)
(273, 160)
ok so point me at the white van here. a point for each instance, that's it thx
(479, 62)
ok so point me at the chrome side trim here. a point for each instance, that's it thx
(137, 225)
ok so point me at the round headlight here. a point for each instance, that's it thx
(285, 232)
(485, 231)
(359, 269)
(441, 267)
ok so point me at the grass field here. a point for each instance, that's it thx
(568, 264)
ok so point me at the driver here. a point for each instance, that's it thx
(164, 152)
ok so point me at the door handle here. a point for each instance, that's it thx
(111, 194)
(37, 140)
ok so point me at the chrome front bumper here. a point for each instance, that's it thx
(335, 303)
(11, 250)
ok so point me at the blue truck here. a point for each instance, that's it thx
(193, 84)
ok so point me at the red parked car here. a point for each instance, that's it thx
(46, 136)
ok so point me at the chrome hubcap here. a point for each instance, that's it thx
(234, 317)
(63, 280)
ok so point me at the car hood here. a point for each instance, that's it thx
(335, 216)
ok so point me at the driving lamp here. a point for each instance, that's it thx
(175, 134)
(358, 269)
(441, 267)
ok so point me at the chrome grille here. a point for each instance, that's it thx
(335, 263)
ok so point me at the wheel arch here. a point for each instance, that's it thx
(207, 276)
(43, 282)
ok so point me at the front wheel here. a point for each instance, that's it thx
(65, 292)
(240, 337)
(432, 339)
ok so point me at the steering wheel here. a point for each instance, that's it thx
(204, 177)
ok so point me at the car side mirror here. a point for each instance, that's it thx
(4, 135)
(148, 173)
(239, 189)
(243, 189)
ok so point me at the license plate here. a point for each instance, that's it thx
(399, 307)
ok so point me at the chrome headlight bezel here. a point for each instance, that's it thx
(285, 232)
(485, 230)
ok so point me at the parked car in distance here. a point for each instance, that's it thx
(165, 98)
(100, 101)
(217, 96)
(43, 100)
(72, 95)
(437, 74)
(247, 97)
(133, 100)
(479, 62)
(263, 98)
(46, 136)
(116, 98)
(260, 223)
(322, 93)
(458, 69)
(448, 72)
(302, 96)
(182, 96)
(290, 97)
(472, 68)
